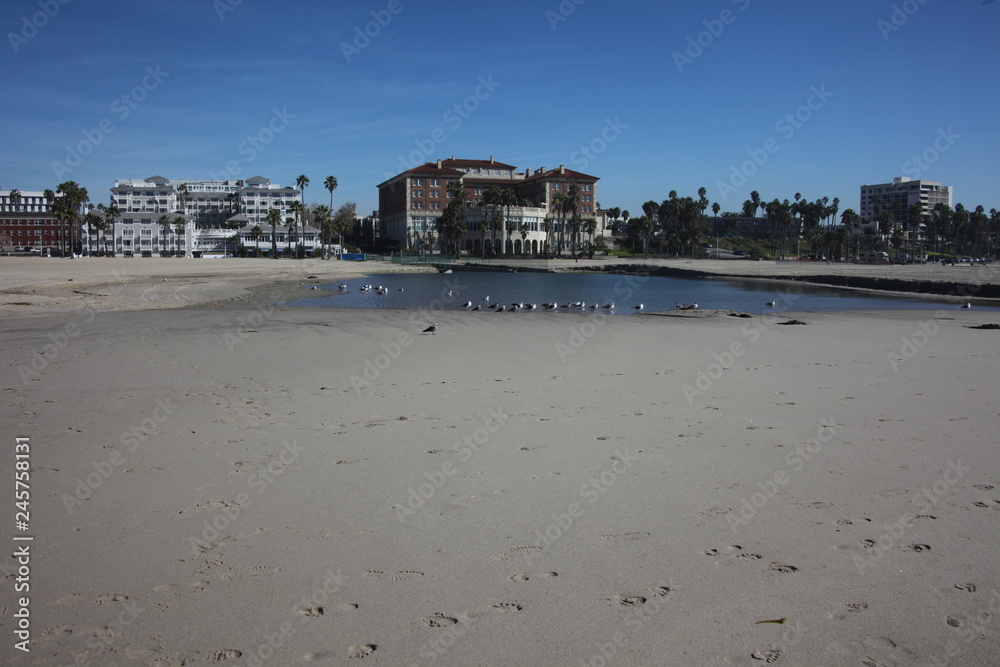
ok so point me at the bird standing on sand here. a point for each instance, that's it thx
(467, 304)
(967, 306)
(477, 307)
(431, 329)
(639, 307)
(769, 304)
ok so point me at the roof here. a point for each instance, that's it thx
(561, 173)
(490, 164)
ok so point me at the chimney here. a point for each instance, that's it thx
(562, 169)
(452, 157)
(439, 163)
(491, 159)
(527, 173)
(541, 170)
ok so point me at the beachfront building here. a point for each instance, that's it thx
(198, 218)
(898, 197)
(27, 222)
(411, 202)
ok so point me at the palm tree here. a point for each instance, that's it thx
(524, 238)
(295, 208)
(165, 223)
(330, 184)
(274, 219)
(179, 225)
(111, 213)
(15, 199)
(572, 204)
(558, 200)
(255, 233)
(590, 227)
(301, 183)
(183, 195)
(72, 200)
(547, 227)
(851, 221)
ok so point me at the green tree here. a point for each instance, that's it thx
(330, 184)
(180, 224)
(302, 182)
(165, 223)
(274, 219)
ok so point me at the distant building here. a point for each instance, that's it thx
(411, 202)
(28, 222)
(218, 216)
(899, 196)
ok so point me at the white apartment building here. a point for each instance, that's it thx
(899, 196)
(193, 217)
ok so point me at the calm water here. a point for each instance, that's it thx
(430, 290)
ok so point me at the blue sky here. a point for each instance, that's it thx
(201, 88)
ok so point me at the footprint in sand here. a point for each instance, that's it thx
(969, 588)
(361, 650)
(440, 621)
(769, 656)
(630, 600)
(528, 576)
(783, 568)
(659, 591)
(507, 607)
(312, 612)
(625, 537)
(222, 656)
(108, 598)
(404, 575)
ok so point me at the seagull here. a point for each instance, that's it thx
(680, 306)
(467, 304)
(639, 307)
(477, 307)
(532, 306)
(400, 289)
(342, 286)
(769, 304)
(967, 306)
(431, 329)
(593, 306)
(500, 309)
(609, 306)
(486, 298)
(449, 292)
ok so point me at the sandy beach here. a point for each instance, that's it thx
(217, 479)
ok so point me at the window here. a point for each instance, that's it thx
(479, 191)
(585, 187)
(418, 193)
(418, 181)
(435, 182)
(435, 193)
(418, 204)
(555, 186)
(496, 172)
(436, 205)
(587, 197)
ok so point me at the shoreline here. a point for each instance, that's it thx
(33, 286)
